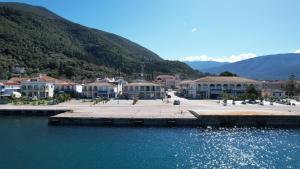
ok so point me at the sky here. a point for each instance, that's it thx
(215, 30)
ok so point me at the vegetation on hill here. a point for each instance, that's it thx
(42, 42)
(227, 73)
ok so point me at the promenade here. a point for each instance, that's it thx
(188, 110)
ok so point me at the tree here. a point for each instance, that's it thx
(251, 93)
(291, 85)
(227, 73)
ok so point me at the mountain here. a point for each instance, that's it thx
(43, 42)
(202, 65)
(270, 67)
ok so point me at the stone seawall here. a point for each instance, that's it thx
(31, 112)
(207, 120)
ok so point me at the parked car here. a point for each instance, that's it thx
(176, 102)
(252, 102)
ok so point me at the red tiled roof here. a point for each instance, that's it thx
(44, 78)
(10, 83)
(19, 79)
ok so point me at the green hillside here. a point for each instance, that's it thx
(41, 41)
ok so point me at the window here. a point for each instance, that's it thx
(24, 87)
(36, 87)
(225, 86)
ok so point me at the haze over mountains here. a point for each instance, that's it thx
(269, 67)
(202, 65)
(43, 42)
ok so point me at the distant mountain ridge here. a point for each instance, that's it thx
(269, 67)
(202, 65)
(43, 42)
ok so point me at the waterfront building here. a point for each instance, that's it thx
(8, 88)
(60, 86)
(143, 90)
(274, 89)
(69, 87)
(213, 87)
(37, 88)
(118, 81)
(187, 89)
(167, 81)
(100, 89)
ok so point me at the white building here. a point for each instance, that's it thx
(100, 89)
(37, 88)
(187, 88)
(7, 89)
(60, 86)
(274, 89)
(119, 82)
(167, 81)
(63, 86)
(213, 87)
(143, 90)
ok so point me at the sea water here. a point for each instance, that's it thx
(29, 143)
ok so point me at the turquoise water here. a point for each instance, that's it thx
(29, 143)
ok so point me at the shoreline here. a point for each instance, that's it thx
(156, 113)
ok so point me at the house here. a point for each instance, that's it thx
(274, 89)
(37, 88)
(8, 88)
(60, 86)
(69, 87)
(119, 82)
(187, 89)
(167, 81)
(143, 90)
(213, 87)
(100, 89)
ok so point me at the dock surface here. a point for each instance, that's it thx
(162, 113)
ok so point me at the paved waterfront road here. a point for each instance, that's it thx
(161, 109)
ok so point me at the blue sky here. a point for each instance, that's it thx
(219, 30)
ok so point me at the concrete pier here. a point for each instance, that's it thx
(31, 112)
(226, 120)
(247, 119)
(161, 113)
(167, 122)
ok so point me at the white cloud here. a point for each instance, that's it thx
(194, 30)
(232, 58)
(297, 51)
